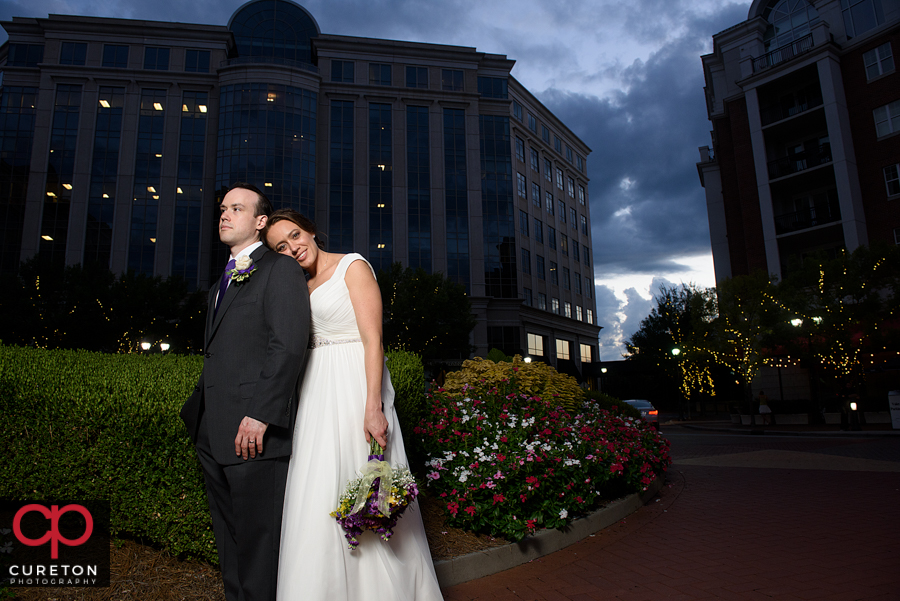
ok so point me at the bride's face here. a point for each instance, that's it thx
(287, 238)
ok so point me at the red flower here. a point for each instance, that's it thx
(470, 510)
(530, 524)
(453, 508)
(499, 499)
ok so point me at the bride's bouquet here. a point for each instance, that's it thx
(375, 500)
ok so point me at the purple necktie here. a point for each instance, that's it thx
(223, 284)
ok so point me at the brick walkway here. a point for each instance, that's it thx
(720, 530)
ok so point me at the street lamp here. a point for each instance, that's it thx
(145, 346)
(676, 351)
(527, 359)
(164, 346)
(814, 415)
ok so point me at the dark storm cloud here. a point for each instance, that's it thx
(620, 319)
(647, 205)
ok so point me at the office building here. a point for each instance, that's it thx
(118, 136)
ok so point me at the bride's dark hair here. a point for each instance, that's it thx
(298, 219)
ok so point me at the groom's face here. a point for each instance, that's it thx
(239, 226)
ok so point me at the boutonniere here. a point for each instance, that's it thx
(243, 269)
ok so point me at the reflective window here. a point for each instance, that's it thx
(551, 237)
(517, 110)
(17, 119)
(521, 185)
(567, 311)
(561, 210)
(523, 223)
(554, 273)
(529, 298)
(789, 20)
(526, 261)
(417, 77)
(542, 301)
(538, 231)
(104, 176)
(189, 186)
(535, 161)
(520, 149)
(545, 134)
(532, 123)
(493, 87)
(554, 305)
(577, 280)
(575, 254)
(418, 187)
(267, 137)
(147, 188)
(567, 279)
(590, 315)
(60, 173)
(340, 177)
(549, 203)
(156, 59)
(878, 61)
(274, 31)
(196, 61)
(536, 195)
(456, 195)
(381, 183)
(343, 71)
(887, 118)
(497, 206)
(892, 179)
(115, 56)
(548, 170)
(541, 270)
(861, 15)
(72, 53)
(25, 55)
(563, 244)
(379, 74)
(452, 80)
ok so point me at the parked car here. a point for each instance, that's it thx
(648, 411)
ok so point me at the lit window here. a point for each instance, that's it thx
(590, 316)
(562, 349)
(535, 344)
(887, 118)
(578, 313)
(554, 305)
(567, 309)
(586, 353)
(878, 61)
(892, 179)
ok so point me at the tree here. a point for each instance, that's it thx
(426, 314)
(672, 340)
(87, 307)
(850, 304)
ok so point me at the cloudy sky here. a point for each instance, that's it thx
(625, 76)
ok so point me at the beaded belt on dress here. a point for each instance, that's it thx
(318, 341)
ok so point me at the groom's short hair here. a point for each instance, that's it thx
(263, 204)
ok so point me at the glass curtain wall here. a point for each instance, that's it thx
(147, 188)
(419, 187)
(456, 197)
(381, 206)
(104, 175)
(60, 172)
(189, 187)
(17, 117)
(340, 178)
(497, 207)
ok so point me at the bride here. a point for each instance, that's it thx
(346, 399)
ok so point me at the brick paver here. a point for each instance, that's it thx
(736, 533)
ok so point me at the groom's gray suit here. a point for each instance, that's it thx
(255, 350)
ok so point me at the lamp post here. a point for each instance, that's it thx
(676, 352)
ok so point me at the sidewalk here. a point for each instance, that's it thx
(717, 424)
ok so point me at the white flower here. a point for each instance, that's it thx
(563, 514)
(243, 262)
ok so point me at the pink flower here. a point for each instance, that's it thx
(433, 475)
(499, 499)
(470, 510)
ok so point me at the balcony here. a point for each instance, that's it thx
(820, 214)
(785, 53)
(799, 162)
(807, 100)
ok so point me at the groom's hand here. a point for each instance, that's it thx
(249, 439)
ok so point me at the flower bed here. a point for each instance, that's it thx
(507, 464)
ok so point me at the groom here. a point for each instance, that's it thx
(241, 414)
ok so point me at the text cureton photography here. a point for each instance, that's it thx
(54, 543)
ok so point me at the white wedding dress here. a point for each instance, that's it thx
(329, 449)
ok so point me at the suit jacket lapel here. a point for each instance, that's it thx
(231, 293)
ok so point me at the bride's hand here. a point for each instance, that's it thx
(376, 425)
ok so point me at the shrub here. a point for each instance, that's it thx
(506, 463)
(79, 424)
(408, 378)
(612, 404)
(498, 356)
(536, 379)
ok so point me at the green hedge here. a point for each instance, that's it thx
(78, 424)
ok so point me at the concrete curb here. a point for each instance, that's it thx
(760, 431)
(451, 572)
